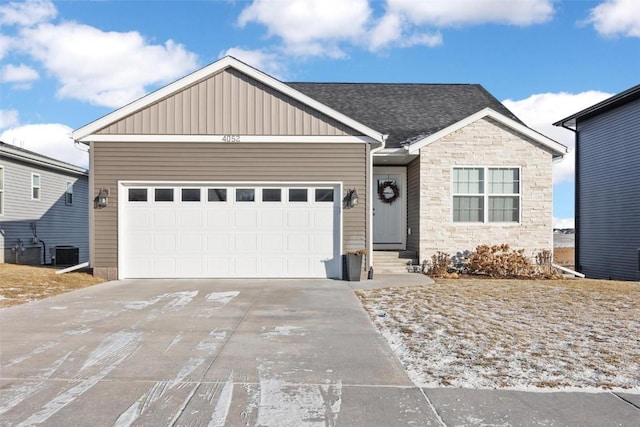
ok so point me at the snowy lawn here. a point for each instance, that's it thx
(520, 334)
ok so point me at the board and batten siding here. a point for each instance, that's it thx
(609, 194)
(413, 206)
(218, 162)
(228, 102)
(57, 223)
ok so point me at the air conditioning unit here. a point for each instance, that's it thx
(65, 255)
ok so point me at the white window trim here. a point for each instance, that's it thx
(39, 186)
(67, 193)
(486, 195)
(1, 190)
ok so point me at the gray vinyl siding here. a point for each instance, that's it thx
(245, 162)
(413, 205)
(226, 103)
(56, 223)
(609, 194)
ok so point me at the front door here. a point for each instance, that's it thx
(389, 208)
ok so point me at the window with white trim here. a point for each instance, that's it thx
(35, 186)
(68, 195)
(1, 190)
(486, 194)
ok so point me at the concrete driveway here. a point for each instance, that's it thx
(236, 353)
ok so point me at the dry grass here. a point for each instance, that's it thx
(564, 256)
(514, 333)
(23, 283)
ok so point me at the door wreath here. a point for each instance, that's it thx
(388, 192)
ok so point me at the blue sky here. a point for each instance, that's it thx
(64, 64)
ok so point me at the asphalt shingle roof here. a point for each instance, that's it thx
(404, 111)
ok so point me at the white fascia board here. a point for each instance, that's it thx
(86, 133)
(557, 148)
(42, 161)
(224, 139)
(400, 151)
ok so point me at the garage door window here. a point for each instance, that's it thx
(164, 195)
(324, 195)
(137, 194)
(245, 195)
(190, 194)
(271, 195)
(297, 194)
(217, 194)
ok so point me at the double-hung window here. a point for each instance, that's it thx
(486, 194)
(68, 195)
(35, 186)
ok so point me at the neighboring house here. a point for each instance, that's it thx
(229, 172)
(607, 179)
(43, 205)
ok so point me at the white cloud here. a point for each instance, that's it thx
(18, 73)
(104, 68)
(454, 13)
(323, 27)
(563, 222)
(269, 63)
(616, 18)
(50, 139)
(310, 27)
(540, 111)
(27, 13)
(8, 118)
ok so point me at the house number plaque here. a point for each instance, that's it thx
(230, 138)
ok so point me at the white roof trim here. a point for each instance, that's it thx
(229, 139)
(557, 148)
(36, 159)
(86, 132)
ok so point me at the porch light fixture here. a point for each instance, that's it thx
(351, 199)
(102, 199)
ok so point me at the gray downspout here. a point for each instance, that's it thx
(576, 207)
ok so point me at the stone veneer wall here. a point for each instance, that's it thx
(484, 143)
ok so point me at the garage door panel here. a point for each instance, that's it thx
(218, 216)
(231, 239)
(164, 218)
(271, 242)
(190, 218)
(218, 243)
(164, 243)
(246, 242)
(190, 266)
(163, 267)
(299, 218)
(298, 242)
(246, 218)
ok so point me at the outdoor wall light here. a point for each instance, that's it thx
(102, 199)
(351, 199)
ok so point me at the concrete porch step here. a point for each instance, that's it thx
(390, 262)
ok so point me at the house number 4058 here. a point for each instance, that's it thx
(230, 138)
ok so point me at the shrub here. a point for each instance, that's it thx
(439, 265)
(500, 261)
(544, 260)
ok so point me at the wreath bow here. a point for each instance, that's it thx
(388, 192)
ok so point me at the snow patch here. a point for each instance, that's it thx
(221, 410)
(280, 331)
(223, 298)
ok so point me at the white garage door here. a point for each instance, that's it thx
(202, 231)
